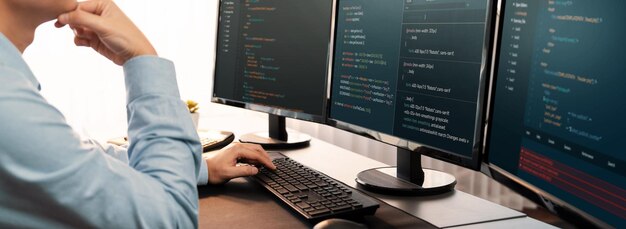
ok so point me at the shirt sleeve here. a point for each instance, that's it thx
(121, 153)
(115, 151)
(56, 180)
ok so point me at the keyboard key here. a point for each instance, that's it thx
(291, 188)
(311, 185)
(265, 178)
(303, 205)
(321, 183)
(301, 187)
(319, 212)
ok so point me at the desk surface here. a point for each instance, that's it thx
(448, 210)
(244, 204)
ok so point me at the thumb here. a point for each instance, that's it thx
(83, 19)
(243, 171)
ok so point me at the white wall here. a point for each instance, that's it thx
(89, 89)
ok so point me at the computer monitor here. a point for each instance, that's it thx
(557, 126)
(412, 73)
(273, 56)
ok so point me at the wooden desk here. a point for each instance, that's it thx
(244, 204)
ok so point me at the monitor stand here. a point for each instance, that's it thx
(278, 137)
(408, 178)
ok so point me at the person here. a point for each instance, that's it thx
(50, 178)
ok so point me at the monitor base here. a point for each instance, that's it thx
(295, 140)
(385, 181)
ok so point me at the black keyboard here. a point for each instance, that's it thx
(312, 194)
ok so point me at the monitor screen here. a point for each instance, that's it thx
(413, 70)
(557, 121)
(272, 56)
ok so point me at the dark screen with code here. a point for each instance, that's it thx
(558, 113)
(274, 53)
(411, 69)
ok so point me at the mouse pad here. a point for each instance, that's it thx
(244, 204)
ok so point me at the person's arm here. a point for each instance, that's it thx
(56, 178)
(115, 151)
(101, 25)
(121, 153)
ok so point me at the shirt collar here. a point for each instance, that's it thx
(11, 57)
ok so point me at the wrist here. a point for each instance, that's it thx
(147, 51)
(211, 172)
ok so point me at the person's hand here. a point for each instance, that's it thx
(101, 25)
(223, 164)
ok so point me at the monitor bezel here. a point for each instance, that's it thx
(474, 162)
(269, 109)
(532, 192)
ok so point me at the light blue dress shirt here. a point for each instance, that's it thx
(49, 178)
